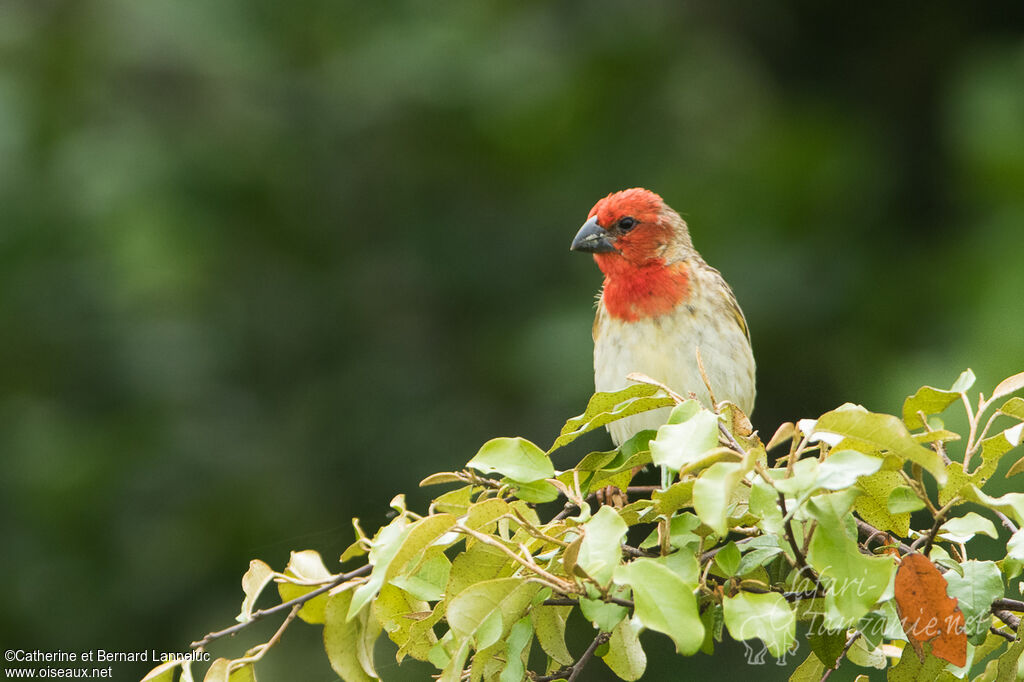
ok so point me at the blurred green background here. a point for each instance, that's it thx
(265, 264)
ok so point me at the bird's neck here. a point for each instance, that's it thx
(633, 292)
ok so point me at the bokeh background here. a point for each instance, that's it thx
(265, 264)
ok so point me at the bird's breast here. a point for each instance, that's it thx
(633, 292)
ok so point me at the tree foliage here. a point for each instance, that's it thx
(855, 532)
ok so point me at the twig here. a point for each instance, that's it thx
(636, 552)
(569, 601)
(704, 376)
(839, 659)
(553, 581)
(1005, 635)
(1005, 520)
(973, 420)
(1007, 617)
(283, 606)
(731, 439)
(866, 528)
(265, 647)
(929, 537)
(1008, 604)
(801, 561)
(572, 673)
(807, 537)
(937, 445)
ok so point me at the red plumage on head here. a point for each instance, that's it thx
(638, 281)
(642, 204)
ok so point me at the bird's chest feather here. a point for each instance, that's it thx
(662, 347)
(632, 293)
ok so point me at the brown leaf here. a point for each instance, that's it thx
(927, 613)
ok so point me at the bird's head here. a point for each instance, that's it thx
(633, 228)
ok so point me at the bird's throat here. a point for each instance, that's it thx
(634, 292)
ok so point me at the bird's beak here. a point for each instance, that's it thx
(592, 238)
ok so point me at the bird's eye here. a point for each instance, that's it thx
(626, 224)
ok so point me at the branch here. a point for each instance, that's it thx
(262, 649)
(871, 532)
(283, 606)
(1005, 520)
(573, 672)
(801, 561)
(1008, 604)
(553, 581)
(1005, 635)
(929, 537)
(569, 601)
(1007, 617)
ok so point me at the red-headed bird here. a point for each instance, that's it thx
(660, 304)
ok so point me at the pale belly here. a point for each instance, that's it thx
(664, 348)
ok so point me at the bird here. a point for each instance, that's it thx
(662, 307)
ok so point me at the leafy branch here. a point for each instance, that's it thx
(735, 544)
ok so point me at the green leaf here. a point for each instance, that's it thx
(712, 494)
(866, 656)
(429, 580)
(1015, 546)
(625, 655)
(163, 672)
(764, 504)
(755, 558)
(934, 400)
(253, 582)
(603, 615)
(392, 609)
(674, 498)
(456, 661)
(349, 642)
(963, 528)
(385, 545)
(1014, 407)
(974, 591)
(474, 611)
(767, 617)
(535, 492)
(455, 501)
(801, 481)
(911, 669)
(810, 670)
(827, 644)
(306, 566)
(685, 442)
(902, 500)
(549, 626)
(873, 506)
(514, 458)
(728, 559)
(684, 564)
(478, 563)
(1010, 503)
(854, 581)
(516, 645)
(684, 411)
(1009, 662)
(663, 602)
(842, 468)
(417, 538)
(601, 549)
(963, 382)
(605, 408)
(883, 432)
